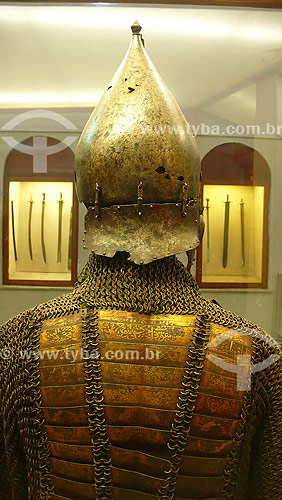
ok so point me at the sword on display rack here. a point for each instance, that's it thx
(13, 230)
(60, 219)
(43, 248)
(207, 207)
(242, 215)
(226, 231)
(29, 226)
(70, 240)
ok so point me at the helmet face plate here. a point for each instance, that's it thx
(161, 230)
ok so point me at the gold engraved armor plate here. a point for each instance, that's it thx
(142, 361)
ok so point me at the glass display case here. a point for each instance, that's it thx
(235, 197)
(40, 220)
(40, 230)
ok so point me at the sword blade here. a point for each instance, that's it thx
(226, 232)
(208, 230)
(243, 260)
(70, 241)
(60, 217)
(59, 249)
(43, 248)
(29, 229)
(13, 231)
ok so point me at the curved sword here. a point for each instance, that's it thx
(13, 230)
(42, 227)
(29, 226)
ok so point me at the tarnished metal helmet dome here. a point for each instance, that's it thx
(138, 167)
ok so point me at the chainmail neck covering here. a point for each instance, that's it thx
(164, 286)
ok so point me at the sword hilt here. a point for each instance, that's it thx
(60, 200)
(227, 199)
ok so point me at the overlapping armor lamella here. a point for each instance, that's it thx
(176, 399)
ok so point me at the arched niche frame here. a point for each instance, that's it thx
(40, 214)
(235, 196)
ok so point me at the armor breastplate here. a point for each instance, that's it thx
(142, 362)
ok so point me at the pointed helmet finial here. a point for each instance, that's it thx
(136, 28)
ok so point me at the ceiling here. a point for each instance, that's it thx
(210, 58)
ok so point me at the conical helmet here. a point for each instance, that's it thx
(137, 166)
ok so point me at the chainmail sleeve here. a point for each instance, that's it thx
(5, 489)
(266, 461)
(13, 478)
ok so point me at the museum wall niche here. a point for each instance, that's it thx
(40, 216)
(235, 195)
(236, 82)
